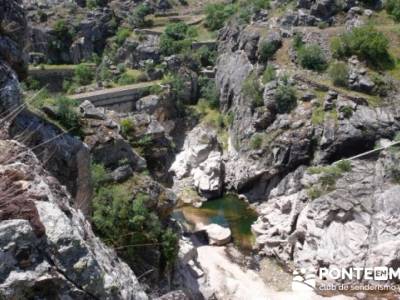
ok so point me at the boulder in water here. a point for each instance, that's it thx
(217, 234)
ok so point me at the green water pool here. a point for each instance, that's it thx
(228, 211)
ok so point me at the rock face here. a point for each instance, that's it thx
(13, 35)
(63, 155)
(64, 258)
(353, 225)
(134, 53)
(81, 35)
(199, 165)
(105, 143)
(266, 145)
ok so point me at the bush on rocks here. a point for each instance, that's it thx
(339, 73)
(311, 57)
(267, 50)
(285, 97)
(365, 42)
(176, 38)
(138, 18)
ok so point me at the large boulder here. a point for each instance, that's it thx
(217, 234)
(200, 161)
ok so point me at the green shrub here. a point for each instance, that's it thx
(347, 111)
(169, 247)
(285, 97)
(42, 97)
(244, 15)
(297, 41)
(128, 225)
(176, 38)
(127, 127)
(314, 192)
(328, 177)
(344, 165)
(98, 174)
(127, 78)
(269, 74)
(155, 89)
(365, 42)
(256, 141)
(210, 93)
(311, 57)
(339, 73)
(393, 9)
(83, 74)
(229, 118)
(104, 73)
(382, 87)
(63, 37)
(122, 35)
(322, 25)
(32, 83)
(394, 172)
(91, 4)
(96, 3)
(205, 56)
(217, 14)
(68, 115)
(267, 50)
(138, 17)
(252, 89)
(258, 5)
(62, 31)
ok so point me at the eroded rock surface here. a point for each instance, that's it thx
(65, 259)
(353, 225)
(199, 165)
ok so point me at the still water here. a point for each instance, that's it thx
(228, 211)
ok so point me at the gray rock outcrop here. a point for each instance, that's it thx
(65, 259)
(199, 164)
(354, 224)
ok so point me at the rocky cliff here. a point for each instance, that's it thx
(48, 248)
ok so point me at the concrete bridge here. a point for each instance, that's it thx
(122, 99)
